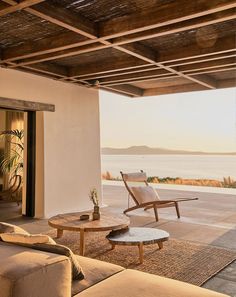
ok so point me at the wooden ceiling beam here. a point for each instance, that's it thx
(15, 6)
(107, 67)
(191, 24)
(64, 42)
(121, 67)
(140, 74)
(132, 51)
(142, 79)
(149, 68)
(208, 65)
(215, 70)
(173, 89)
(151, 72)
(61, 17)
(204, 59)
(226, 83)
(168, 14)
(207, 79)
(222, 45)
(120, 73)
(68, 20)
(125, 89)
(207, 61)
(50, 69)
(43, 46)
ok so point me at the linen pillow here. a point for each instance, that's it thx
(77, 272)
(144, 194)
(24, 238)
(9, 228)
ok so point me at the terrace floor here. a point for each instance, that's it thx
(210, 220)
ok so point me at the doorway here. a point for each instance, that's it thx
(11, 163)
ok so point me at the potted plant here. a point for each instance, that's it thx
(94, 198)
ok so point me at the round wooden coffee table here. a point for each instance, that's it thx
(138, 236)
(72, 222)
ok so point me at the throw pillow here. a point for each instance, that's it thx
(24, 238)
(77, 272)
(9, 228)
(144, 194)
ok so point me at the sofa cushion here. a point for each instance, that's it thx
(130, 283)
(95, 271)
(9, 228)
(25, 272)
(77, 272)
(24, 238)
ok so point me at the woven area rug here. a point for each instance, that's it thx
(180, 260)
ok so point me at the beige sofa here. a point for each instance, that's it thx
(25, 272)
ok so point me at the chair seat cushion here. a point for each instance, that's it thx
(95, 271)
(130, 283)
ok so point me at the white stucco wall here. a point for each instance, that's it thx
(68, 143)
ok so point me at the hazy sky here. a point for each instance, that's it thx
(203, 121)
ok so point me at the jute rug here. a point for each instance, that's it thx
(180, 260)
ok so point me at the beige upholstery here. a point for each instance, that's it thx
(144, 194)
(29, 273)
(135, 177)
(94, 271)
(24, 238)
(9, 228)
(131, 283)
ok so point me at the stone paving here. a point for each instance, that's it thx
(210, 220)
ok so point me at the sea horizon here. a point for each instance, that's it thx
(172, 165)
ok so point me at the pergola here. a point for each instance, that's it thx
(132, 47)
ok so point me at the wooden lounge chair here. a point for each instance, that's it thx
(10, 195)
(145, 196)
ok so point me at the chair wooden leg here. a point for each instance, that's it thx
(156, 213)
(148, 207)
(177, 209)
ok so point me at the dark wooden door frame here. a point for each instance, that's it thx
(31, 164)
(31, 107)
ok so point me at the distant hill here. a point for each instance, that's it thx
(145, 150)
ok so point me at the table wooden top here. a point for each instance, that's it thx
(134, 236)
(72, 222)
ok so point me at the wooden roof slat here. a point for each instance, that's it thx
(222, 45)
(225, 46)
(107, 66)
(155, 58)
(65, 40)
(165, 15)
(174, 89)
(208, 65)
(141, 74)
(65, 19)
(216, 70)
(191, 24)
(143, 56)
(141, 79)
(126, 90)
(15, 6)
(194, 60)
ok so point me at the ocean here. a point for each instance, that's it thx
(184, 166)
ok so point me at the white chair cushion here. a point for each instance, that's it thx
(144, 194)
